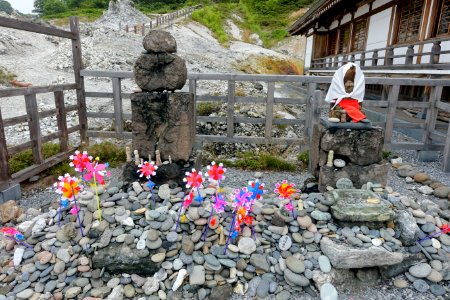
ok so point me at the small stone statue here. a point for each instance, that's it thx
(137, 160)
(128, 153)
(346, 94)
(330, 158)
(158, 158)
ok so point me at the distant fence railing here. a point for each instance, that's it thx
(143, 28)
(402, 57)
(33, 116)
(432, 139)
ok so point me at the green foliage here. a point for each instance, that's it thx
(207, 108)
(303, 157)
(85, 14)
(23, 159)
(386, 154)
(5, 76)
(6, 7)
(214, 17)
(251, 160)
(54, 7)
(108, 152)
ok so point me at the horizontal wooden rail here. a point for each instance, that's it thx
(11, 92)
(34, 27)
(43, 114)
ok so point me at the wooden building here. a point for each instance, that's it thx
(393, 36)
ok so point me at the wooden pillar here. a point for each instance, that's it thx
(375, 58)
(389, 56)
(430, 122)
(390, 117)
(117, 96)
(61, 119)
(79, 80)
(409, 55)
(269, 110)
(34, 128)
(436, 52)
(230, 108)
(4, 167)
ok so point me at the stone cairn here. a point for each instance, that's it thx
(163, 121)
(348, 155)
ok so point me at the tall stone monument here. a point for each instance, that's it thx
(163, 121)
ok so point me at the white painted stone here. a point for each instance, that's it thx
(377, 242)
(179, 280)
(128, 222)
(285, 243)
(140, 245)
(18, 254)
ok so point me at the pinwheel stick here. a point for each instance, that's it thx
(153, 198)
(97, 198)
(179, 214)
(60, 212)
(199, 196)
(229, 233)
(292, 208)
(431, 236)
(19, 241)
(78, 215)
(205, 233)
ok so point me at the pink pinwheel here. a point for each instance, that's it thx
(215, 172)
(193, 179)
(241, 198)
(97, 171)
(147, 169)
(289, 206)
(10, 231)
(79, 160)
(74, 210)
(219, 206)
(188, 200)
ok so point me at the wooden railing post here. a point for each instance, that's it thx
(135, 29)
(79, 80)
(390, 116)
(336, 61)
(308, 111)
(362, 58)
(352, 58)
(436, 52)
(193, 90)
(344, 59)
(34, 128)
(447, 151)
(61, 119)
(409, 55)
(432, 112)
(316, 101)
(126, 28)
(143, 29)
(269, 110)
(389, 56)
(4, 167)
(118, 109)
(230, 108)
(375, 58)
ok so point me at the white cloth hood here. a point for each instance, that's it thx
(337, 88)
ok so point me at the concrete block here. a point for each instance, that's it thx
(427, 156)
(12, 192)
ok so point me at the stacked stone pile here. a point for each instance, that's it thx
(136, 253)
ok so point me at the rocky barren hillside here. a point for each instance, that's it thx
(42, 60)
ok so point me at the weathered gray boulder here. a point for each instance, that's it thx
(345, 257)
(359, 175)
(361, 147)
(164, 122)
(408, 227)
(119, 258)
(159, 72)
(359, 206)
(159, 41)
(400, 268)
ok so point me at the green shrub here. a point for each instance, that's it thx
(5, 76)
(5, 6)
(24, 159)
(251, 160)
(207, 108)
(386, 154)
(54, 7)
(214, 17)
(108, 153)
(303, 157)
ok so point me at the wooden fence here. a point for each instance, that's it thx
(157, 22)
(432, 138)
(33, 116)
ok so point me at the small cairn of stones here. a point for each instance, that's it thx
(135, 252)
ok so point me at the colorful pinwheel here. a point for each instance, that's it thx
(68, 188)
(286, 190)
(256, 188)
(97, 172)
(148, 169)
(79, 161)
(194, 180)
(184, 205)
(15, 235)
(215, 172)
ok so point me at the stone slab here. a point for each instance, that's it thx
(12, 192)
(359, 206)
(345, 125)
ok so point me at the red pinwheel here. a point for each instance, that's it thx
(445, 228)
(147, 169)
(193, 179)
(188, 200)
(67, 186)
(285, 190)
(97, 171)
(79, 160)
(10, 231)
(215, 172)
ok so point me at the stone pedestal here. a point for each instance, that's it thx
(164, 122)
(360, 146)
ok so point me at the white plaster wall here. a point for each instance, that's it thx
(362, 10)
(445, 46)
(334, 24)
(346, 19)
(379, 3)
(378, 29)
(308, 52)
(400, 51)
